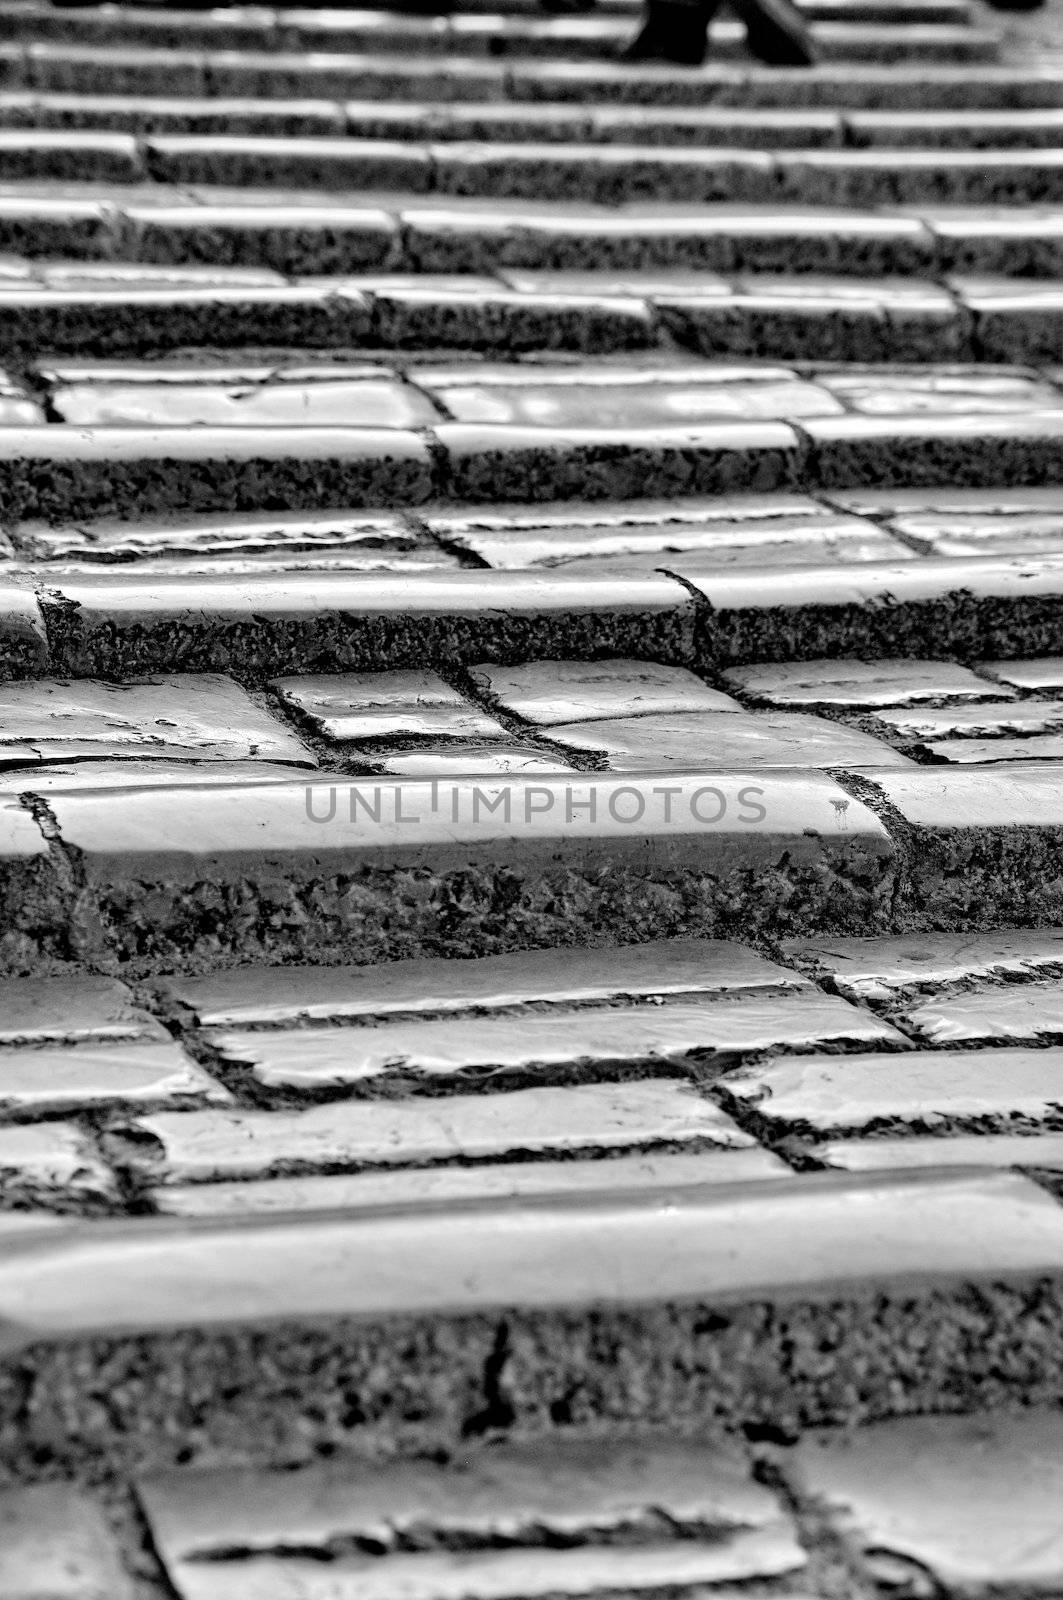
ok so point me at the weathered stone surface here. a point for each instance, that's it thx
(974, 1501)
(52, 1164)
(859, 684)
(781, 529)
(286, 995)
(923, 1087)
(458, 761)
(55, 1544)
(107, 540)
(1029, 1012)
(747, 740)
(75, 1006)
(381, 704)
(382, 402)
(1039, 1152)
(551, 1044)
(984, 722)
(202, 716)
(545, 692)
(84, 1076)
(876, 969)
(1044, 673)
(203, 1146)
(148, 866)
(220, 1529)
(482, 1181)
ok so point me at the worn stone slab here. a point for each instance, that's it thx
(483, 1181)
(1028, 1012)
(558, 843)
(384, 402)
(69, 1008)
(86, 1076)
(456, 761)
(725, 739)
(582, 1119)
(879, 969)
(63, 471)
(23, 643)
(279, 623)
(546, 692)
(992, 719)
(687, 400)
(55, 1544)
(982, 842)
(552, 1045)
(886, 392)
(52, 1164)
(281, 996)
(498, 461)
(973, 1501)
(909, 1245)
(109, 540)
(860, 684)
(218, 1530)
(925, 1087)
(381, 704)
(205, 717)
(1043, 673)
(1030, 1151)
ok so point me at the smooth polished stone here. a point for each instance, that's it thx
(458, 761)
(285, 995)
(84, 1076)
(219, 1529)
(922, 1087)
(971, 1501)
(205, 717)
(546, 692)
(1021, 1012)
(983, 722)
(376, 705)
(878, 969)
(484, 1181)
(56, 1544)
(1045, 672)
(385, 403)
(860, 684)
(580, 1119)
(550, 1044)
(72, 1007)
(725, 739)
(1034, 1152)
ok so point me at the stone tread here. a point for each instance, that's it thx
(387, 400)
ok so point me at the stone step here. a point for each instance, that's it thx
(635, 248)
(521, 1306)
(479, 46)
(128, 310)
(939, 80)
(243, 850)
(712, 127)
(611, 173)
(480, 25)
(64, 472)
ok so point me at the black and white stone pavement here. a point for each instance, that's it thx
(531, 807)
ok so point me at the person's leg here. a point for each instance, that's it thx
(674, 30)
(776, 32)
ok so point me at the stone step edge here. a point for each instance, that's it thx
(501, 1311)
(214, 872)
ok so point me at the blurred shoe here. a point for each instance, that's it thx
(675, 31)
(776, 32)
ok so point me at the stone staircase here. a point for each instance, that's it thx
(531, 640)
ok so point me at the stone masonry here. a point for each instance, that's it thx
(531, 807)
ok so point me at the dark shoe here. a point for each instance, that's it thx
(673, 31)
(776, 32)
